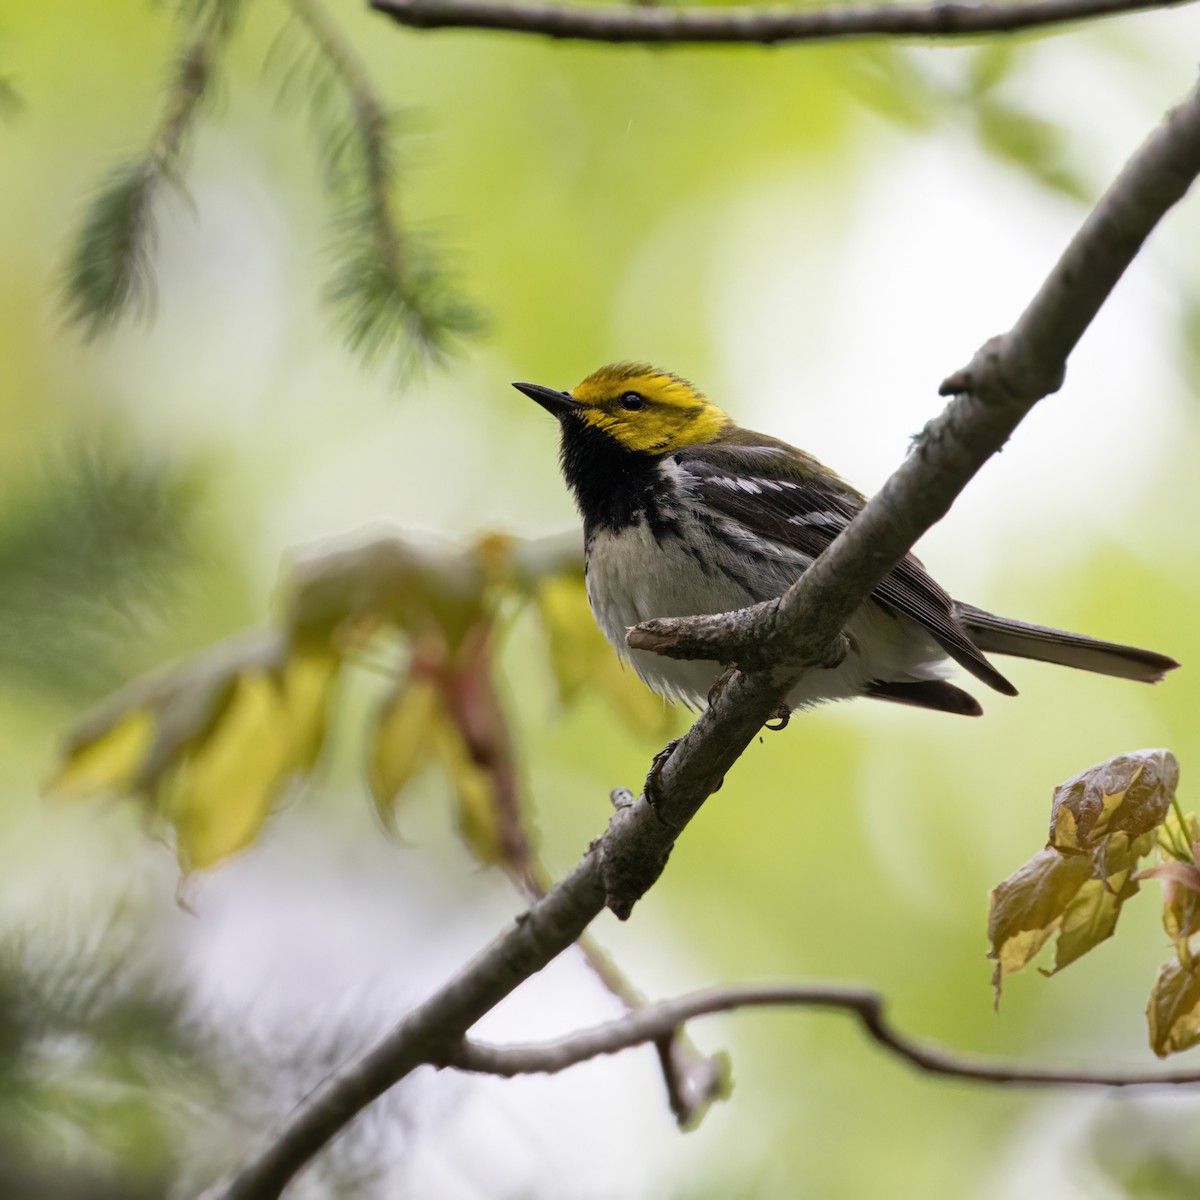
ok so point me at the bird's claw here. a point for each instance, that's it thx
(656, 769)
(717, 688)
(781, 716)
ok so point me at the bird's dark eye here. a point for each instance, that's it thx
(633, 401)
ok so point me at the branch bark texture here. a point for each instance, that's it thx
(754, 25)
(994, 392)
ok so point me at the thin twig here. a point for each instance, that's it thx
(764, 26)
(626, 860)
(649, 1024)
(693, 1080)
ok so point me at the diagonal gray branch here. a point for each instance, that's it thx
(654, 1021)
(765, 26)
(1004, 380)
(1007, 378)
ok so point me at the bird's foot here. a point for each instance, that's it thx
(781, 716)
(655, 772)
(722, 680)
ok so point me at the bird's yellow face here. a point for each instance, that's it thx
(647, 410)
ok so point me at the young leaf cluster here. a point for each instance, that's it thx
(211, 746)
(1103, 821)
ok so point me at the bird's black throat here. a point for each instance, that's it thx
(614, 487)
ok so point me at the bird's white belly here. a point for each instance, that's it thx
(632, 578)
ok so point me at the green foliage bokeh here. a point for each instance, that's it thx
(588, 199)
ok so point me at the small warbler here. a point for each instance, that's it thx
(684, 513)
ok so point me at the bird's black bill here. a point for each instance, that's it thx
(556, 402)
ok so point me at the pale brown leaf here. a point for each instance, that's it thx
(1173, 1013)
(1130, 793)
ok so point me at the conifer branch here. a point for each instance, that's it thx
(393, 295)
(110, 269)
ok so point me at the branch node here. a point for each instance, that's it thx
(1004, 370)
(622, 797)
(743, 636)
(696, 1086)
(630, 866)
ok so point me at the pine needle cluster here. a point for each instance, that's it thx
(393, 298)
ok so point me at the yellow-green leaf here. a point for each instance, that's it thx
(1102, 822)
(571, 633)
(583, 661)
(1117, 854)
(218, 799)
(401, 742)
(1091, 917)
(643, 712)
(1028, 907)
(1181, 918)
(309, 677)
(210, 742)
(1173, 1013)
(475, 794)
(108, 763)
(1180, 882)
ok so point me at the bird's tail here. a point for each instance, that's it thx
(1001, 635)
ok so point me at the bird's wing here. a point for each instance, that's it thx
(781, 495)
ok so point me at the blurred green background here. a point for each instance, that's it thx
(815, 236)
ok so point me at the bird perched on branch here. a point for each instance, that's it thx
(686, 513)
